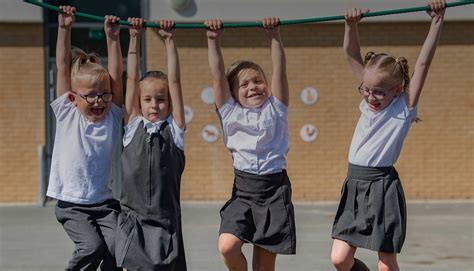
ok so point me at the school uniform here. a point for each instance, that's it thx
(372, 209)
(79, 176)
(149, 234)
(260, 210)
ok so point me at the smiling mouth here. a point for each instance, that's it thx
(374, 106)
(97, 111)
(255, 95)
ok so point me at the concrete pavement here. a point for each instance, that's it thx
(440, 237)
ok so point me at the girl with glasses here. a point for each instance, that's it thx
(88, 122)
(372, 209)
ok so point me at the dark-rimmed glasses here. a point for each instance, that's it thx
(94, 98)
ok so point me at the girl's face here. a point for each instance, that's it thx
(154, 99)
(92, 100)
(377, 91)
(250, 88)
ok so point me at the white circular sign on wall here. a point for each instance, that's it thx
(309, 95)
(188, 114)
(210, 133)
(308, 133)
(207, 95)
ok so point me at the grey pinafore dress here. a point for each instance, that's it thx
(149, 235)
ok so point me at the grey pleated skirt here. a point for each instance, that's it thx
(261, 212)
(372, 210)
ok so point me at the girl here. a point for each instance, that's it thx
(149, 235)
(88, 119)
(254, 119)
(372, 210)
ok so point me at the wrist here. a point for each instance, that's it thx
(213, 39)
(65, 27)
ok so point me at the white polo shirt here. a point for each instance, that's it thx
(256, 137)
(154, 127)
(82, 154)
(379, 136)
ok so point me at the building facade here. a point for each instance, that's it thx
(436, 161)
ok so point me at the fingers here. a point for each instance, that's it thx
(355, 14)
(437, 5)
(68, 10)
(166, 24)
(214, 24)
(270, 22)
(111, 19)
(136, 23)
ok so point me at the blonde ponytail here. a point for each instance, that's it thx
(86, 68)
(369, 57)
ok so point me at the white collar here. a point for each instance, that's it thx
(152, 127)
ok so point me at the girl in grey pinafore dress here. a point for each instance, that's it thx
(149, 235)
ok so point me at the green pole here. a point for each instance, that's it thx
(258, 24)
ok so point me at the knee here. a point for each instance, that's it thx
(341, 262)
(229, 248)
(94, 248)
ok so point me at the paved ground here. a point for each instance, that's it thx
(440, 237)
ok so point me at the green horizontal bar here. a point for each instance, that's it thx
(259, 24)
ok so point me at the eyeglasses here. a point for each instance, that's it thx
(378, 94)
(94, 98)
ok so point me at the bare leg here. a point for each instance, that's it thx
(388, 262)
(230, 248)
(342, 255)
(263, 260)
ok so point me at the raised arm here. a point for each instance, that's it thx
(167, 33)
(63, 50)
(216, 62)
(427, 52)
(132, 108)
(351, 42)
(279, 86)
(114, 53)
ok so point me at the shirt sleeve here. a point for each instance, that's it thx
(410, 112)
(117, 113)
(226, 109)
(280, 107)
(177, 132)
(62, 107)
(130, 130)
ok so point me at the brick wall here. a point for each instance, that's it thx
(21, 110)
(436, 161)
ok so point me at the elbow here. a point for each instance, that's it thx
(174, 81)
(422, 65)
